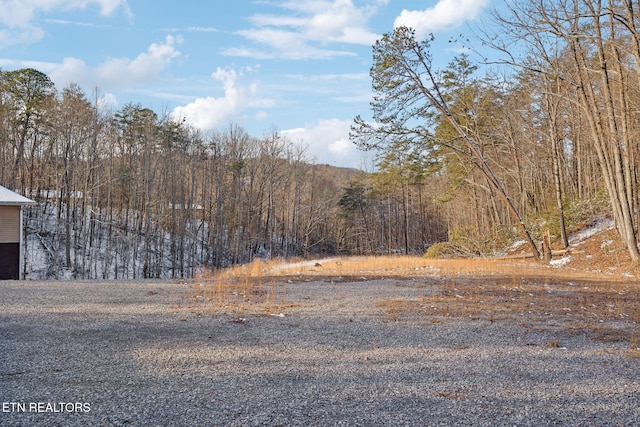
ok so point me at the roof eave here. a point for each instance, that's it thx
(30, 202)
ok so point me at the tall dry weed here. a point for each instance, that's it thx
(238, 289)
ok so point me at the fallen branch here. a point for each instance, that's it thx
(559, 252)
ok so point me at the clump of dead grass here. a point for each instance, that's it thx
(240, 289)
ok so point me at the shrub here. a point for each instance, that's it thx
(438, 250)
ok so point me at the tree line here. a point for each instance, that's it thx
(131, 194)
(469, 158)
(543, 141)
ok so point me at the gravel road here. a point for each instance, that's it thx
(145, 353)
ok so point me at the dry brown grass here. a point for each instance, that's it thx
(498, 298)
(389, 266)
(482, 288)
(240, 288)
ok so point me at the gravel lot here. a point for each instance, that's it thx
(146, 353)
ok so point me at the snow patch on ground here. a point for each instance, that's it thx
(560, 262)
(587, 232)
(515, 245)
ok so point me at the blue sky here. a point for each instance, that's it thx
(297, 66)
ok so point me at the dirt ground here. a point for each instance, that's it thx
(592, 291)
(337, 341)
(304, 350)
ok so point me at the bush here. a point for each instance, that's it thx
(467, 242)
(438, 250)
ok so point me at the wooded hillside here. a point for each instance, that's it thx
(467, 157)
(129, 194)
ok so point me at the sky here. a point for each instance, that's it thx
(299, 67)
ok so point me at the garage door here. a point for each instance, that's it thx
(9, 261)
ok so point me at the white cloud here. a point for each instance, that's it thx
(342, 22)
(107, 101)
(210, 112)
(341, 148)
(24, 35)
(328, 142)
(144, 68)
(191, 29)
(283, 44)
(446, 14)
(72, 70)
(314, 24)
(45, 67)
(262, 20)
(118, 72)
(17, 16)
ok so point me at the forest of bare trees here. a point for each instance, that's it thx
(473, 160)
(129, 194)
(547, 142)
